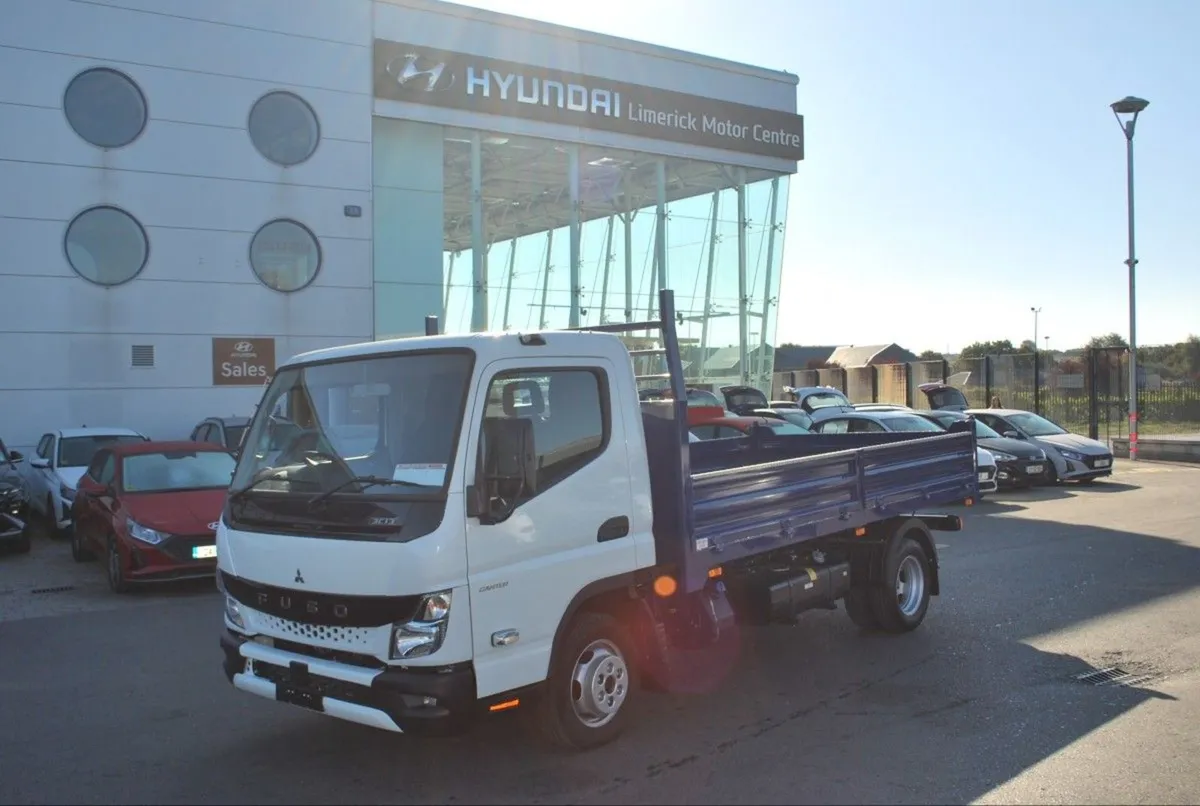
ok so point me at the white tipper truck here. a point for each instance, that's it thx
(422, 531)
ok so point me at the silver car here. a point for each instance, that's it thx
(1074, 458)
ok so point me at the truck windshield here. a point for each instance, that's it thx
(387, 418)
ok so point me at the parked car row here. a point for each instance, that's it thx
(149, 508)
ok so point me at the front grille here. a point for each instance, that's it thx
(1090, 461)
(335, 655)
(179, 547)
(325, 686)
(346, 639)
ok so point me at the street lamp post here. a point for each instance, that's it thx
(1126, 112)
(1037, 381)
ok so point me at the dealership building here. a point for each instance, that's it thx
(194, 191)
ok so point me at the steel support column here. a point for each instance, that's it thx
(706, 312)
(479, 300)
(743, 299)
(773, 223)
(608, 259)
(576, 234)
(512, 268)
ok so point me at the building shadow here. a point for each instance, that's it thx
(813, 712)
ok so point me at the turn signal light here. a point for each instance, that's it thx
(504, 706)
(969, 502)
(860, 531)
(713, 573)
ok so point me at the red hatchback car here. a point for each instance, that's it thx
(151, 510)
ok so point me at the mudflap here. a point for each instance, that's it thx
(689, 643)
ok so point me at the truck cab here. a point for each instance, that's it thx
(460, 525)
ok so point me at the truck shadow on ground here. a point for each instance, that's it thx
(815, 712)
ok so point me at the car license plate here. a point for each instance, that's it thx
(204, 552)
(1103, 462)
(983, 476)
(1035, 469)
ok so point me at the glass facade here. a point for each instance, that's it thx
(544, 234)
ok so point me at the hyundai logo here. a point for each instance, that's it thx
(243, 347)
(409, 67)
(212, 527)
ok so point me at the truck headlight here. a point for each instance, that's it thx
(233, 612)
(424, 634)
(145, 533)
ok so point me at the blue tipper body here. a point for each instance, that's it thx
(722, 500)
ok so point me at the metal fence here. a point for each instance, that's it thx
(1084, 394)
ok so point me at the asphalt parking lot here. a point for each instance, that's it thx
(121, 699)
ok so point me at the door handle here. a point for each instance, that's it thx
(613, 529)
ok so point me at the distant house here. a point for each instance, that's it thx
(792, 357)
(870, 355)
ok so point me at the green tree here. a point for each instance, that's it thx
(979, 349)
(931, 355)
(1027, 346)
(1108, 340)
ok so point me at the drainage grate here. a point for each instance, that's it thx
(1113, 676)
(58, 589)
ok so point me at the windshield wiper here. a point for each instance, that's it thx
(363, 483)
(275, 476)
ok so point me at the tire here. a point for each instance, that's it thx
(595, 656)
(114, 569)
(901, 601)
(859, 608)
(79, 552)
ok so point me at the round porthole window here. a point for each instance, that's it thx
(106, 246)
(284, 128)
(285, 255)
(105, 107)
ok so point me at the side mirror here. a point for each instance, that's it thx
(39, 462)
(506, 470)
(16, 456)
(1013, 435)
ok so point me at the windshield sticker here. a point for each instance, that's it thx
(430, 475)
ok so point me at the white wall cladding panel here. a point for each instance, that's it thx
(70, 305)
(103, 361)
(180, 149)
(182, 96)
(155, 39)
(34, 248)
(545, 46)
(59, 192)
(346, 21)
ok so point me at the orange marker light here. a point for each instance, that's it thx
(969, 501)
(664, 586)
(504, 706)
(860, 531)
(713, 573)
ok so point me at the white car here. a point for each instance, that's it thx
(53, 472)
(899, 419)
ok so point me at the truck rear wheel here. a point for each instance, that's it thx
(901, 600)
(860, 608)
(591, 684)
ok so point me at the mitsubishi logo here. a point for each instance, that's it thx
(410, 67)
(299, 577)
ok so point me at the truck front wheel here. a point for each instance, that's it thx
(902, 597)
(591, 684)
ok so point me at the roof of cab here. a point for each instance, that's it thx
(487, 346)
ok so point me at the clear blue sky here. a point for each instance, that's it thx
(962, 162)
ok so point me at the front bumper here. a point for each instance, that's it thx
(433, 700)
(170, 560)
(1023, 472)
(1087, 468)
(12, 528)
(987, 479)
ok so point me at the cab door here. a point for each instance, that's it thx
(572, 531)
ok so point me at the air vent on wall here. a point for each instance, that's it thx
(142, 355)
